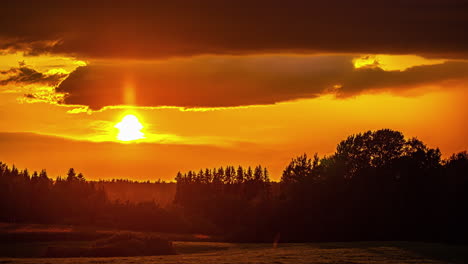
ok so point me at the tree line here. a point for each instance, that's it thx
(377, 185)
(35, 198)
(211, 194)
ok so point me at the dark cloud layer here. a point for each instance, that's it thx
(235, 81)
(155, 29)
(25, 75)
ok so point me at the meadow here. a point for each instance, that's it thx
(28, 243)
(217, 252)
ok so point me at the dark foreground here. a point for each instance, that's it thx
(20, 243)
(215, 252)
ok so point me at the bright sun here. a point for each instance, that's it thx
(129, 129)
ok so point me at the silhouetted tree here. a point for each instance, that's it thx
(378, 185)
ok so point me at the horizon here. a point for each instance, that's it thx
(274, 178)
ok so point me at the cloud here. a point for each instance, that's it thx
(225, 81)
(24, 75)
(159, 29)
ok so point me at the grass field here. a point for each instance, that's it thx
(215, 252)
(21, 243)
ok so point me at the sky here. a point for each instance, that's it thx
(218, 83)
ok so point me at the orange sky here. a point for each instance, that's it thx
(217, 99)
(181, 139)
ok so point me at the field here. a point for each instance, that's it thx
(26, 244)
(215, 252)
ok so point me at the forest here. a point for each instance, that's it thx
(377, 185)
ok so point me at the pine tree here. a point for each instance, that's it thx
(249, 174)
(240, 175)
(258, 174)
(71, 175)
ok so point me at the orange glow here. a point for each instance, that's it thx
(129, 91)
(268, 134)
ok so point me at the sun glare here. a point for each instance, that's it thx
(129, 128)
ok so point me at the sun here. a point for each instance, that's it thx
(129, 129)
